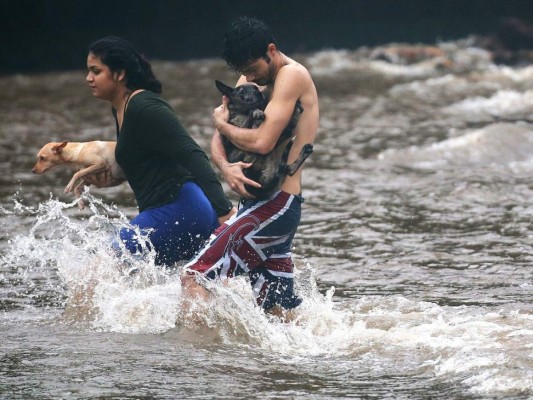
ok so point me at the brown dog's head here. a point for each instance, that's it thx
(49, 156)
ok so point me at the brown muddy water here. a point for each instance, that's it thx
(414, 252)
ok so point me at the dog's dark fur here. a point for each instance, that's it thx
(246, 106)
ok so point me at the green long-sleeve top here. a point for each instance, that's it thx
(158, 156)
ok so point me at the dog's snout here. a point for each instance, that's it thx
(37, 169)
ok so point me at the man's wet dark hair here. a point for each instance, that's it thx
(119, 54)
(246, 40)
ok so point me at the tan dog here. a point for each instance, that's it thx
(95, 162)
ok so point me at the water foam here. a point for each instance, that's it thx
(501, 144)
(366, 333)
(503, 104)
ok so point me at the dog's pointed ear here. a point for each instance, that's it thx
(59, 147)
(224, 89)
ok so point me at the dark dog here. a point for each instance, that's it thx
(246, 106)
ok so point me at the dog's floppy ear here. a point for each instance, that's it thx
(224, 89)
(58, 147)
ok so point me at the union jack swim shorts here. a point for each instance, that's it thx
(257, 242)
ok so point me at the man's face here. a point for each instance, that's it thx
(260, 71)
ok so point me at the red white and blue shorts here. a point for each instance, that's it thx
(257, 242)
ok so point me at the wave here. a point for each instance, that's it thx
(501, 144)
(402, 59)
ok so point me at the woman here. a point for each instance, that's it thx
(179, 197)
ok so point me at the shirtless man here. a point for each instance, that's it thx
(257, 241)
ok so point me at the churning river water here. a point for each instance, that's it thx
(414, 255)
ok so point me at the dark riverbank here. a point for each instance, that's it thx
(43, 35)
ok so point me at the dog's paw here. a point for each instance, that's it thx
(258, 115)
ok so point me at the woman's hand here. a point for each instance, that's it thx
(224, 218)
(102, 179)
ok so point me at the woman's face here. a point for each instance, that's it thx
(104, 84)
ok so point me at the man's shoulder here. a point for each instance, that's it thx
(294, 67)
(295, 71)
(294, 78)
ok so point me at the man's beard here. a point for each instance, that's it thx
(269, 79)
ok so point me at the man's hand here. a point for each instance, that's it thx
(221, 113)
(235, 178)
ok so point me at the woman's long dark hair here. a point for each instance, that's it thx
(120, 55)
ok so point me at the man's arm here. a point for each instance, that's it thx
(287, 90)
(232, 173)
